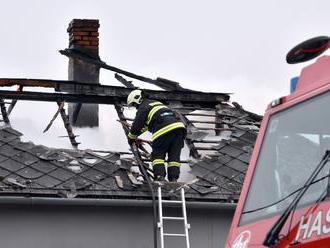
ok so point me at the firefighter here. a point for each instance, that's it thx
(167, 130)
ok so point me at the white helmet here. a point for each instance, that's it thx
(134, 97)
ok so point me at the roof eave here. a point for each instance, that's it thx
(13, 200)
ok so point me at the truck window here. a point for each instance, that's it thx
(295, 141)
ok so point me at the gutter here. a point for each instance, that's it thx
(32, 201)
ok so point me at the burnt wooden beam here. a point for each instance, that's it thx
(13, 102)
(56, 97)
(125, 82)
(54, 117)
(67, 125)
(160, 82)
(88, 91)
(192, 149)
(140, 151)
(32, 82)
(4, 111)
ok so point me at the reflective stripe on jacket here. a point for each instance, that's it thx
(155, 117)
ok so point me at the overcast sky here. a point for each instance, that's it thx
(217, 46)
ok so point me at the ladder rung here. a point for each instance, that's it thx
(175, 234)
(174, 202)
(173, 218)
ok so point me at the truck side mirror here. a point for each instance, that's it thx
(308, 50)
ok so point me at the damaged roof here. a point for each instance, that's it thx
(34, 170)
(220, 138)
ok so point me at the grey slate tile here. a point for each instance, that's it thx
(61, 174)
(6, 136)
(8, 151)
(39, 150)
(47, 181)
(199, 171)
(209, 165)
(98, 188)
(4, 173)
(223, 159)
(12, 131)
(25, 158)
(43, 166)
(3, 158)
(227, 172)
(29, 173)
(249, 137)
(245, 157)
(106, 167)
(23, 146)
(231, 151)
(76, 183)
(11, 165)
(93, 175)
(109, 183)
(237, 165)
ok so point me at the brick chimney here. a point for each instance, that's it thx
(84, 37)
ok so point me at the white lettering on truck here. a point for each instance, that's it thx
(326, 227)
(303, 227)
(317, 224)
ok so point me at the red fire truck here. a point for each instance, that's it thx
(285, 200)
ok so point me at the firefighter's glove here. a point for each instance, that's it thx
(138, 142)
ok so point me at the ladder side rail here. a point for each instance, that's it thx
(184, 212)
(160, 223)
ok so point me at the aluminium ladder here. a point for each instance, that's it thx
(162, 218)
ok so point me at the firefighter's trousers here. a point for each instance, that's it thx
(169, 144)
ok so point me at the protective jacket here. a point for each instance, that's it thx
(155, 117)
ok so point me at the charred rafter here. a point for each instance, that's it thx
(4, 111)
(160, 82)
(102, 94)
(66, 123)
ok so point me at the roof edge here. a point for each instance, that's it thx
(12, 200)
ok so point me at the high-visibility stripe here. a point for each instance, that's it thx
(144, 129)
(172, 164)
(131, 136)
(166, 129)
(158, 161)
(155, 103)
(153, 111)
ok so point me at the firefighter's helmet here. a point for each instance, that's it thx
(134, 98)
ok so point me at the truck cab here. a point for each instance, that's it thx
(293, 141)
